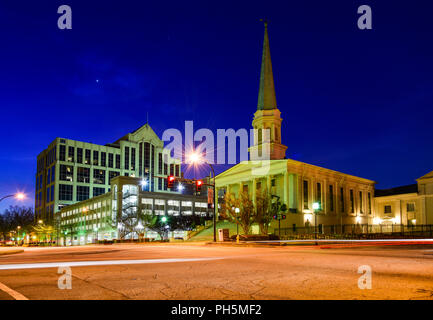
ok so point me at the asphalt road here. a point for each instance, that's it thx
(216, 272)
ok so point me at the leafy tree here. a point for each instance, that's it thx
(155, 223)
(278, 207)
(263, 210)
(246, 215)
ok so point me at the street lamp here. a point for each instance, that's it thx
(237, 225)
(316, 207)
(96, 233)
(18, 234)
(19, 196)
(196, 158)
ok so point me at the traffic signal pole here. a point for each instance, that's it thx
(214, 202)
(171, 180)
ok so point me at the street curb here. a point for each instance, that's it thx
(3, 253)
(246, 244)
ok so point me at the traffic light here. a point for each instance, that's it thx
(170, 182)
(198, 184)
(283, 217)
(275, 217)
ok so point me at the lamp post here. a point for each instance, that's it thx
(18, 196)
(196, 158)
(237, 225)
(18, 234)
(316, 206)
(96, 234)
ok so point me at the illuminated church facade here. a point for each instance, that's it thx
(342, 199)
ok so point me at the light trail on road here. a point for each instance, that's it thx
(97, 263)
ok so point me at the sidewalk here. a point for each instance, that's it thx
(12, 250)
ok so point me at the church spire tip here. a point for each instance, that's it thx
(267, 99)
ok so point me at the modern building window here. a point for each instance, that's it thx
(62, 154)
(410, 206)
(306, 194)
(96, 158)
(48, 176)
(165, 169)
(126, 158)
(71, 154)
(65, 192)
(177, 171)
(103, 159)
(342, 199)
(319, 194)
(387, 209)
(273, 183)
(331, 198)
(352, 202)
(159, 163)
(82, 193)
(79, 155)
(369, 202)
(110, 160)
(117, 161)
(66, 173)
(112, 174)
(48, 195)
(152, 169)
(361, 202)
(53, 173)
(98, 191)
(98, 176)
(140, 160)
(159, 183)
(87, 156)
(133, 159)
(83, 175)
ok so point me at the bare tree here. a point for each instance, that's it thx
(14, 217)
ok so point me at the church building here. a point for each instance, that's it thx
(341, 198)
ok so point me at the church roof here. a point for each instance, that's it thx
(267, 99)
(413, 188)
(427, 176)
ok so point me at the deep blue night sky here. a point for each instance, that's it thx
(355, 101)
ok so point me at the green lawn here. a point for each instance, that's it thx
(207, 234)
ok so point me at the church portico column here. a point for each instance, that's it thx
(286, 188)
(254, 190)
(268, 184)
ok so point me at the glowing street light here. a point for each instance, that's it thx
(180, 187)
(195, 158)
(164, 219)
(19, 196)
